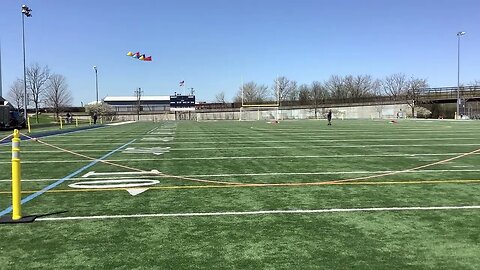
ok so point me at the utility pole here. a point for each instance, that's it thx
(138, 94)
(26, 12)
(1, 85)
(459, 34)
(96, 81)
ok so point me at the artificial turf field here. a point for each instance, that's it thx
(249, 195)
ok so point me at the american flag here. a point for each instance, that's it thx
(182, 83)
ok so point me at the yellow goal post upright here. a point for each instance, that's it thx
(257, 112)
(260, 111)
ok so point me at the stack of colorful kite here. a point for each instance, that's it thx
(139, 56)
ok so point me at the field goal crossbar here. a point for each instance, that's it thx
(263, 112)
(260, 109)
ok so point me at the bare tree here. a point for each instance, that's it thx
(17, 93)
(283, 88)
(336, 87)
(395, 85)
(319, 94)
(220, 97)
(415, 86)
(352, 87)
(57, 96)
(294, 95)
(304, 95)
(252, 93)
(475, 83)
(361, 86)
(37, 78)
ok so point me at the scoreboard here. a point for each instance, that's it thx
(182, 103)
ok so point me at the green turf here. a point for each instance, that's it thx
(398, 163)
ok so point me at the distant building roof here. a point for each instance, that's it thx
(3, 101)
(94, 102)
(133, 98)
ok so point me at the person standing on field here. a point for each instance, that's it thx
(329, 117)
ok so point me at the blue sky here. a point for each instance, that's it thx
(215, 44)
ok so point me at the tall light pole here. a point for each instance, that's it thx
(96, 81)
(138, 94)
(1, 84)
(459, 34)
(26, 12)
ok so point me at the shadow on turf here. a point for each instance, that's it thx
(26, 219)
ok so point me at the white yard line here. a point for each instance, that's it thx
(310, 140)
(265, 212)
(242, 158)
(272, 147)
(93, 173)
(296, 135)
(242, 174)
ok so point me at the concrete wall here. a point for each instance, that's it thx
(359, 112)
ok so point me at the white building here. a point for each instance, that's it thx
(131, 103)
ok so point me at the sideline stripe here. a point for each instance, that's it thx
(255, 157)
(265, 212)
(269, 147)
(246, 174)
(53, 185)
(248, 143)
(471, 181)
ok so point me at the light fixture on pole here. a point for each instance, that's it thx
(459, 34)
(26, 12)
(96, 81)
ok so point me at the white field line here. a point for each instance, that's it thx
(230, 136)
(300, 131)
(320, 132)
(320, 128)
(372, 137)
(240, 158)
(272, 147)
(246, 142)
(120, 123)
(265, 212)
(92, 173)
(242, 175)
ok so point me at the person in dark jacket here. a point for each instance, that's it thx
(329, 117)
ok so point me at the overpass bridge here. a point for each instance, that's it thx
(449, 94)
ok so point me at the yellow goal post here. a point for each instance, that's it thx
(267, 112)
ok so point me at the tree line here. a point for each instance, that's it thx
(43, 87)
(398, 86)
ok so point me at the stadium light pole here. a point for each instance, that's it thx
(96, 81)
(459, 34)
(1, 82)
(26, 12)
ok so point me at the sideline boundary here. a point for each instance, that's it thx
(266, 212)
(406, 182)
